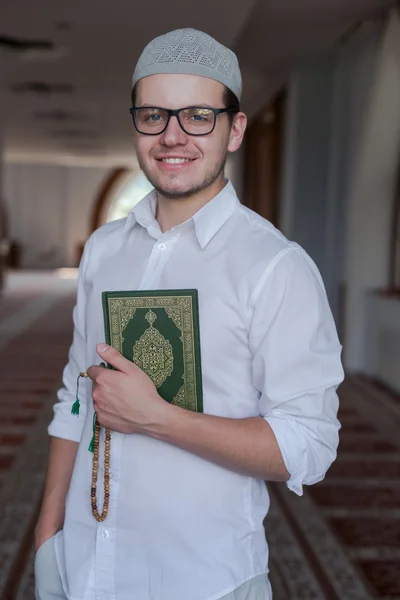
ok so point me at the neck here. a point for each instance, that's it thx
(174, 211)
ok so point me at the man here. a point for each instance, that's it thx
(187, 491)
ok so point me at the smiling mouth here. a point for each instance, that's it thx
(175, 161)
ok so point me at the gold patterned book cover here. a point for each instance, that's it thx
(159, 331)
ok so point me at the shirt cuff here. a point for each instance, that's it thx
(66, 426)
(291, 443)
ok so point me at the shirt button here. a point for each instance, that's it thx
(162, 246)
(105, 533)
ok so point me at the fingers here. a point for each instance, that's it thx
(114, 358)
(94, 372)
(114, 422)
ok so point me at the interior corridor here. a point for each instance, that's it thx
(340, 541)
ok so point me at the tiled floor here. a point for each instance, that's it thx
(340, 541)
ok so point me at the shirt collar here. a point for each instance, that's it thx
(143, 213)
(207, 221)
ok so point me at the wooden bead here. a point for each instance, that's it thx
(95, 470)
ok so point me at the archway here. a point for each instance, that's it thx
(133, 189)
(122, 189)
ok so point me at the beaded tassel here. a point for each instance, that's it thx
(94, 448)
(76, 405)
(91, 445)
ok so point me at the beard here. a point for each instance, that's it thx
(209, 179)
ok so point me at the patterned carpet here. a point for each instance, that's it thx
(340, 541)
(347, 527)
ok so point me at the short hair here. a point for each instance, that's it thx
(230, 100)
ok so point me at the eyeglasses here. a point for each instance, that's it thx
(194, 120)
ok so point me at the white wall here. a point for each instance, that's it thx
(326, 100)
(49, 209)
(340, 170)
(371, 194)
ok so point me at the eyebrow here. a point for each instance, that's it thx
(201, 104)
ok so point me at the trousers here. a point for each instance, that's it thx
(48, 585)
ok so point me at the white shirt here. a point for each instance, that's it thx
(180, 527)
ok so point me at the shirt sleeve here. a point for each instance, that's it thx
(64, 424)
(297, 365)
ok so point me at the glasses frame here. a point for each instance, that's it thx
(175, 113)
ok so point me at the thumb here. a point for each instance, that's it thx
(114, 358)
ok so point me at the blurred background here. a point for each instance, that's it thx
(320, 160)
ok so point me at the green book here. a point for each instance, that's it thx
(159, 331)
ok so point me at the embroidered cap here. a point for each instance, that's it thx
(191, 52)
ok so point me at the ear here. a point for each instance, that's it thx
(238, 129)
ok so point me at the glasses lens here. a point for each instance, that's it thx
(197, 120)
(150, 120)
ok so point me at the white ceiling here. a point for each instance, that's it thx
(96, 45)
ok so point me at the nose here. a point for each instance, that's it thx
(174, 134)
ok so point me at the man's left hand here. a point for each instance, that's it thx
(125, 399)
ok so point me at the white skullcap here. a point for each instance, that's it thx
(190, 52)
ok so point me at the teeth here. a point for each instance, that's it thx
(174, 161)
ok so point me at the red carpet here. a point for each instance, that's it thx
(340, 541)
(30, 371)
(348, 526)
